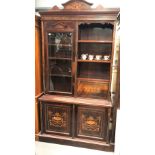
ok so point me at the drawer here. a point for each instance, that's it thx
(57, 118)
(92, 123)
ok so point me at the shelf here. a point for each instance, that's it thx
(94, 41)
(60, 75)
(56, 58)
(75, 100)
(67, 45)
(96, 61)
(61, 92)
(93, 79)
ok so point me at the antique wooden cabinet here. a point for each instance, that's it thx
(78, 46)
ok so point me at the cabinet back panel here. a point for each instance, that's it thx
(94, 70)
(95, 31)
(95, 49)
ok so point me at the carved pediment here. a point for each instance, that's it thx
(77, 5)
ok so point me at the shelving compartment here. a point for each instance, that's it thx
(94, 49)
(94, 70)
(96, 31)
(93, 79)
(95, 41)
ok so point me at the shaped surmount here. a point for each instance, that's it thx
(77, 4)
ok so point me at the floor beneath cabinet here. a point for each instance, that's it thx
(42, 148)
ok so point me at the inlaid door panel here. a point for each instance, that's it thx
(92, 123)
(57, 119)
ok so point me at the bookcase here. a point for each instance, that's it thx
(77, 57)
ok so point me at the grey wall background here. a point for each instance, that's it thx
(50, 3)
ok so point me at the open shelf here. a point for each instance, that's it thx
(61, 92)
(93, 79)
(94, 70)
(95, 41)
(95, 61)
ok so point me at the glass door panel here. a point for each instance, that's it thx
(60, 47)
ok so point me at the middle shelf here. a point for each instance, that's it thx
(96, 61)
(95, 41)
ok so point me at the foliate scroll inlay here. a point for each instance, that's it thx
(77, 5)
(90, 123)
(58, 119)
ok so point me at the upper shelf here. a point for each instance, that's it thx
(96, 61)
(94, 41)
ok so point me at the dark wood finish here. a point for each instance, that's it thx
(73, 5)
(94, 70)
(78, 142)
(57, 119)
(95, 89)
(92, 123)
(76, 101)
(94, 80)
(76, 108)
(56, 58)
(94, 41)
(97, 61)
(38, 73)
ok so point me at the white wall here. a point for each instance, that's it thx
(51, 3)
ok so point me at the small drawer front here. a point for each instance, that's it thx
(57, 119)
(92, 123)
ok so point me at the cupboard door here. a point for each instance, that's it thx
(57, 119)
(92, 123)
(59, 56)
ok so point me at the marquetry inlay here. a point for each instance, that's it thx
(90, 123)
(58, 118)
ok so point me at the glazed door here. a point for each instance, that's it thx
(59, 38)
(60, 49)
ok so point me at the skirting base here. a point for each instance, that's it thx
(78, 142)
